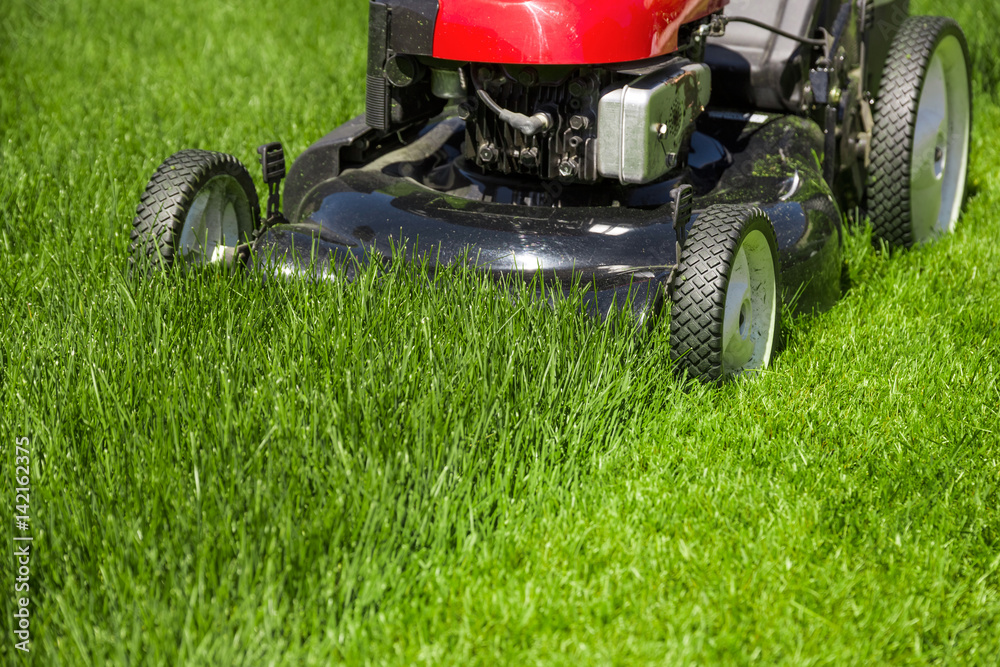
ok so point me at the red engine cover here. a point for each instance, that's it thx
(563, 32)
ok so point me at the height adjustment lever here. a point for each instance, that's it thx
(683, 208)
(683, 196)
(272, 162)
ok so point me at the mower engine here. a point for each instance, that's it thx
(586, 124)
(539, 109)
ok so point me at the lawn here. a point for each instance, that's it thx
(224, 472)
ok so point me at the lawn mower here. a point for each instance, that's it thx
(696, 153)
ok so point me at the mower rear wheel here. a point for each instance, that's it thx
(725, 314)
(920, 142)
(198, 208)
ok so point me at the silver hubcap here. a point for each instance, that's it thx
(751, 308)
(941, 143)
(218, 221)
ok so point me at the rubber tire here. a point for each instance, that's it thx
(170, 193)
(698, 295)
(895, 121)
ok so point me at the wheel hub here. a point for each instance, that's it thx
(940, 143)
(212, 225)
(745, 314)
(751, 311)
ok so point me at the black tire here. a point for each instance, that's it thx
(192, 191)
(701, 339)
(911, 160)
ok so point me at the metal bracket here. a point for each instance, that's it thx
(716, 27)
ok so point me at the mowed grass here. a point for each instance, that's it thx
(225, 472)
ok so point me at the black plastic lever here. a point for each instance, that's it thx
(272, 162)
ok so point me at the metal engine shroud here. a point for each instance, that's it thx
(627, 126)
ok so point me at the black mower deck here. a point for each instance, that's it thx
(619, 242)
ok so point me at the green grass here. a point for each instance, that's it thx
(231, 473)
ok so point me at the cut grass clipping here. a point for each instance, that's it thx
(227, 472)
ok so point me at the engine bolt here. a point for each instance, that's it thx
(529, 157)
(464, 111)
(579, 122)
(527, 77)
(581, 87)
(487, 153)
(568, 168)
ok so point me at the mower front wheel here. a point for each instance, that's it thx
(725, 313)
(198, 208)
